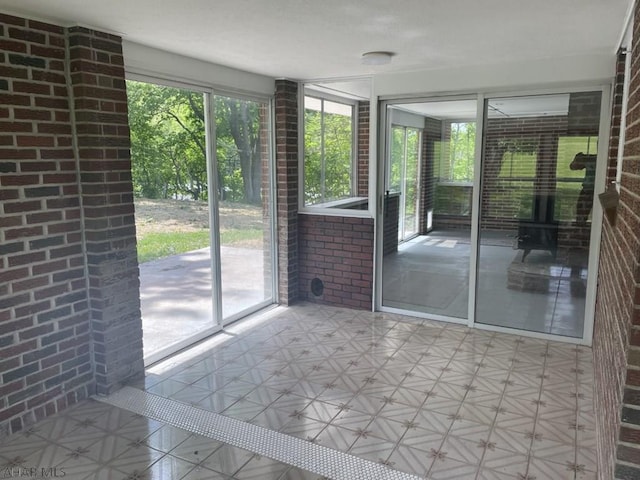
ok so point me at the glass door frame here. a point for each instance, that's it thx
(403, 181)
(384, 149)
(597, 212)
(218, 322)
(214, 206)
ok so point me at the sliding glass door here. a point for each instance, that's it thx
(203, 211)
(538, 180)
(503, 231)
(427, 206)
(404, 167)
(244, 205)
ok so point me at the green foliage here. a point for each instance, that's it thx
(397, 158)
(462, 151)
(168, 144)
(568, 147)
(167, 141)
(153, 246)
(240, 235)
(156, 245)
(518, 164)
(403, 173)
(328, 157)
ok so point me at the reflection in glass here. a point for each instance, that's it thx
(328, 150)
(427, 211)
(538, 179)
(403, 177)
(244, 208)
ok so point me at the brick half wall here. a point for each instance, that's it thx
(339, 252)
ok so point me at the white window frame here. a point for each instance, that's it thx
(352, 199)
(596, 225)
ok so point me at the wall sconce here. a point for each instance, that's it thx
(609, 201)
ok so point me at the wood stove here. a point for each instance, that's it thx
(541, 232)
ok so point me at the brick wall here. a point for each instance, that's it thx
(363, 149)
(339, 252)
(391, 219)
(616, 114)
(541, 136)
(616, 342)
(286, 128)
(431, 135)
(65, 212)
(102, 127)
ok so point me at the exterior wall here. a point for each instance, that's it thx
(103, 150)
(338, 251)
(616, 342)
(286, 128)
(69, 314)
(391, 223)
(430, 136)
(616, 115)
(363, 149)
(543, 133)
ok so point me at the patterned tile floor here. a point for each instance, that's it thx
(432, 399)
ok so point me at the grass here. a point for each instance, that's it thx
(156, 245)
(236, 236)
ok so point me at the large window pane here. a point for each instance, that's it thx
(169, 169)
(427, 215)
(244, 204)
(403, 172)
(537, 194)
(328, 151)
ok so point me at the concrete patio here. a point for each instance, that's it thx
(176, 293)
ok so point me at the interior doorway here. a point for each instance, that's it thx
(428, 185)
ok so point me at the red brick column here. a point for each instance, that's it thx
(363, 149)
(99, 95)
(286, 129)
(69, 317)
(45, 359)
(616, 343)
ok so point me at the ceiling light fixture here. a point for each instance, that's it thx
(376, 58)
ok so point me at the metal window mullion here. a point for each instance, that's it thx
(273, 207)
(323, 190)
(476, 200)
(355, 149)
(403, 204)
(416, 223)
(214, 217)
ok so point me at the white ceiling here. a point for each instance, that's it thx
(314, 39)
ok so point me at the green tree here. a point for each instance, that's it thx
(168, 147)
(168, 144)
(462, 151)
(328, 145)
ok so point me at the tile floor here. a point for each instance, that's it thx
(436, 400)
